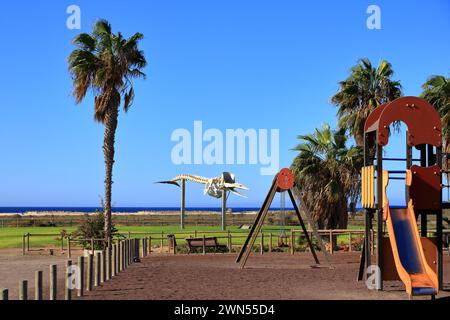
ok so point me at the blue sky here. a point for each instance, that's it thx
(231, 64)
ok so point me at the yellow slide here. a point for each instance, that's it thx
(419, 278)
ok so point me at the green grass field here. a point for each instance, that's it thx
(42, 237)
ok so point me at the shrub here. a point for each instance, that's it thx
(93, 228)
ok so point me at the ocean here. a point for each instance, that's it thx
(21, 210)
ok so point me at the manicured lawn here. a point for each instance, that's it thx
(42, 237)
(48, 236)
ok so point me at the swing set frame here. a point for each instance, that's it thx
(282, 182)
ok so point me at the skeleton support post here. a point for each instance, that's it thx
(183, 203)
(224, 209)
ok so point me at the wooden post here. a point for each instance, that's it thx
(350, 241)
(125, 253)
(262, 243)
(331, 241)
(102, 266)
(62, 243)
(150, 245)
(162, 240)
(92, 246)
(138, 249)
(68, 291)
(230, 246)
(23, 290)
(183, 203)
(120, 256)
(174, 245)
(38, 285)
(90, 271)
(270, 242)
(53, 282)
(69, 249)
(114, 260)
(108, 270)
(28, 241)
(23, 245)
(204, 244)
(97, 270)
(4, 294)
(80, 283)
(292, 242)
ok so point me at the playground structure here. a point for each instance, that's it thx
(283, 182)
(404, 255)
(217, 187)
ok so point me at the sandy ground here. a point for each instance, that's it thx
(271, 276)
(14, 267)
(214, 276)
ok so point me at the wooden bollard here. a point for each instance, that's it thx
(53, 282)
(137, 248)
(230, 243)
(89, 273)
(262, 243)
(121, 256)
(38, 285)
(80, 291)
(124, 257)
(126, 253)
(270, 242)
(28, 241)
(108, 264)
(97, 269)
(132, 249)
(204, 244)
(68, 291)
(80, 280)
(4, 294)
(162, 240)
(113, 260)
(23, 290)
(102, 266)
(92, 246)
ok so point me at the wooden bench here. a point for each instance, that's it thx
(207, 242)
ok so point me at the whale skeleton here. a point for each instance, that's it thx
(217, 187)
(214, 187)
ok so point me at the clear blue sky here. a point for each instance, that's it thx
(231, 64)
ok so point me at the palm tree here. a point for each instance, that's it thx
(437, 92)
(326, 171)
(106, 63)
(365, 89)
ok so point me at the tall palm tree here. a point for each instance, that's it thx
(365, 89)
(326, 171)
(436, 90)
(106, 64)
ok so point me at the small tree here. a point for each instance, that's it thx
(93, 228)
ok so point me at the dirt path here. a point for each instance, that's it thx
(271, 276)
(14, 267)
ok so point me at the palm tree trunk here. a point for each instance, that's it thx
(110, 122)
